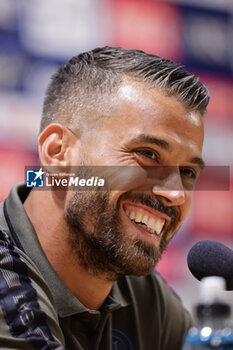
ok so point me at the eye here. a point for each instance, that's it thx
(188, 173)
(147, 153)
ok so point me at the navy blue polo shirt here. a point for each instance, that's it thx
(37, 311)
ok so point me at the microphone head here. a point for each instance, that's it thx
(211, 258)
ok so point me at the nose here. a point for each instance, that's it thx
(170, 188)
(170, 198)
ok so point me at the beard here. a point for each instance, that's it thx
(98, 239)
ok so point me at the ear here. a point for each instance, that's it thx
(55, 145)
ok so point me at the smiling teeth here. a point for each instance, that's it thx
(145, 220)
(152, 225)
(132, 215)
(138, 217)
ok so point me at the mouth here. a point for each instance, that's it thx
(147, 220)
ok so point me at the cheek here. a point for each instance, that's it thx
(122, 179)
(114, 198)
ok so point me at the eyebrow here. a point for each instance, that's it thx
(198, 161)
(145, 138)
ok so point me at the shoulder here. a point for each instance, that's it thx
(159, 307)
(26, 303)
(151, 287)
(19, 274)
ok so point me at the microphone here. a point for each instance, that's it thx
(211, 258)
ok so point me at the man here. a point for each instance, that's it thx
(77, 266)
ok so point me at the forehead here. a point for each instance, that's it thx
(137, 108)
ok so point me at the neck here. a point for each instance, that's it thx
(52, 231)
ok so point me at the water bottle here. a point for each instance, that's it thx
(214, 328)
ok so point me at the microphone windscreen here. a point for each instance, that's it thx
(211, 258)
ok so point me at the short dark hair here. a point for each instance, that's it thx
(80, 85)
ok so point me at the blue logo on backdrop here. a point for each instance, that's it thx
(120, 341)
(35, 178)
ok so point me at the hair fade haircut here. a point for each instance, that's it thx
(81, 85)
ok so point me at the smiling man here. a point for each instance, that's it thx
(77, 267)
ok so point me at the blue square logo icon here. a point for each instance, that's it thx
(35, 178)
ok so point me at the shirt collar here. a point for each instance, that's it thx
(66, 303)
